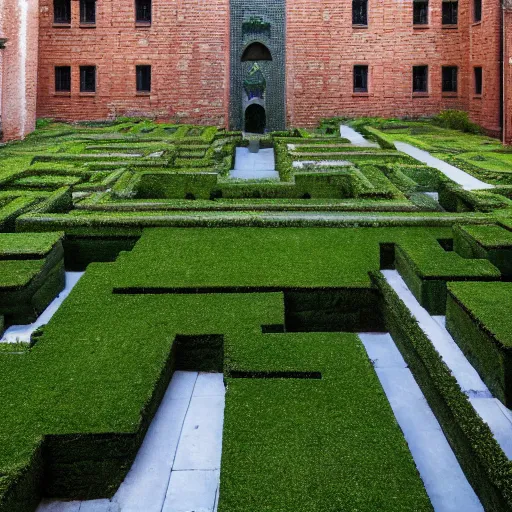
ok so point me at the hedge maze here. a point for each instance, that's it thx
(266, 281)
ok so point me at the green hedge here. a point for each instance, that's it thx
(486, 466)
(28, 286)
(427, 267)
(478, 317)
(172, 185)
(72, 430)
(454, 199)
(489, 242)
(15, 246)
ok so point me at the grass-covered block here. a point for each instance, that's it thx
(427, 267)
(490, 242)
(311, 444)
(31, 274)
(478, 317)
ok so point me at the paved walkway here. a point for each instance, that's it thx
(254, 166)
(464, 179)
(355, 138)
(177, 468)
(445, 482)
(22, 333)
(491, 410)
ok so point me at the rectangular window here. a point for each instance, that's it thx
(360, 78)
(143, 11)
(62, 11)
(360, 12)
(87, 78)
(88, 12)
(420, 12)
(143, 78)
(450, 78)
(477, 11)
(450, 12)
(62, 79)
(420, 79)
(478, 81)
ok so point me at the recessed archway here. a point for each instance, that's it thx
(255, 119)
(256, 51)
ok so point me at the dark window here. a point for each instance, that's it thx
(143, 78)
(87, 79)
(477, 11)
(87, 11)
(360, 78)
(360, 12)
(63, 79)
(420, 12)
(420, 79)
(450, 12)
(450, 79)
(62, 11)
(478, 81)
(143, 11)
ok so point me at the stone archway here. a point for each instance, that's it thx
(255, 119)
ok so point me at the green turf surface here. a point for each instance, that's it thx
(312, 445)
(14, 245)
(490, 305)
(15, 274)
(490, 237)
(262, 258)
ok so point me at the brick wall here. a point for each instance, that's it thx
(18, 67)
(323, 47)
(507, 93)
(187, 46)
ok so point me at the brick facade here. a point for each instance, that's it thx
(194, 56)
(187, 46)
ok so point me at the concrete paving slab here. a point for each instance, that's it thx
(497, 416)
(145, 486)
(200, 444)
(99, 506)
(59, 506)
(251, 165)
(182, 385)
(300, 164)
(382, 350)
(355, 138)
(192, 491)
(466, 375)
(464, 179)
(210, 384)
(23, 332)
(445, 482)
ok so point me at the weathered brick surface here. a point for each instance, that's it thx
(18, 67)
(323, 47)
(187, 46)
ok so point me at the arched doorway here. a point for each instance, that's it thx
(255, 119)
(256, 51)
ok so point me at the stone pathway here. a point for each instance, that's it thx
(464, 179)
(445, 482)
(355, 138)
(490, 409)
(177, 468)
(22, 333)
(254, 166)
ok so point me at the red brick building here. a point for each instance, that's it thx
(176, 60)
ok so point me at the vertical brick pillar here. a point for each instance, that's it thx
(507, 76)
(19, 24)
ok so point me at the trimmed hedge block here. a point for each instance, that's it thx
(427, 267)
(492, 242)
(478, 317)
